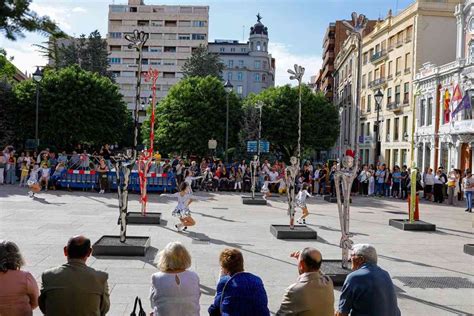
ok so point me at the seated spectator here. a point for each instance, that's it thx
(174, 289)
(45, 173)
(238, 292)
(74, 288)
(313, 293)
(60, 170)
(369, 289)
(18, 290)
(247, 180)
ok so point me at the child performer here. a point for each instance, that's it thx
(265, 187)
(24, 173)
(32, 182)
(182, 209)
(301, 203)
(188, 178)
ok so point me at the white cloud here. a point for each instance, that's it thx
(285, 60)
(79, 10)
(57, 13)
(26, 58)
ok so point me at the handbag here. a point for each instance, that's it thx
(141, 311)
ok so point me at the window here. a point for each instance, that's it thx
(115, 74)
(409, 33)
(398, 65)
(429, 115)
(115, 35)
(243, 50)
(169, 62)
(184, 23)
(471, 47)
(389, 69)
(368, 129)
(406, 93)
(115, 60)
(239, 76)
(405, 127)
(365, 58)
(264, 78)
(170, 49)
(155, 62)
(422, 113)
(259, 46)
(362, 102)
(257, 77)
(157, 23)
(389, 97)
(362, 130)
(369, 77)
(199, 23)
(396, 125)
(128, 74)
(387, 131)
(128, 61)
(199, 37)
(115, 48)
(183, 49)
(169, 74)
(364, 78)
(143, 23)
(132, 9)
(145, 61)
(118, 8)
(369, 103)
(265, 64)
(229, 76)
(184, 36)
(407, 62)
(395, 157)
(171, 23)
(222, 49)
(230, 63)
(257, 64)
(400, 38)
(397, 95)
(240, 90)
(170, 36)
(156, 49)
(156, 36)
(232, 49)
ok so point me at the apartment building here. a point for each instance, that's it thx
(174, 31)
(424, 31)
(444, 139)
(333, 40)
(248, 66)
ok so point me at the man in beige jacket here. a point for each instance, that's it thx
(74, 288)
(313, 293)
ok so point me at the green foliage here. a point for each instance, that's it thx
(7, 134)
(193, 112)
(319, 123)
(76, 106)
(16, 18)
(7, 70)
(202, 64)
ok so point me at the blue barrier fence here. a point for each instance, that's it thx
(89, 180)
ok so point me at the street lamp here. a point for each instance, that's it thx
(37, 77)
(378, 96)
(212, 144)
(228, 88)
(341, 110)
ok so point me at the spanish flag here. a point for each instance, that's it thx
(447, 102)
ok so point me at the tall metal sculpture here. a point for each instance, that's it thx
(146, 156)
(292, 171)
(346, 173)
(125, 162)
(256, 159)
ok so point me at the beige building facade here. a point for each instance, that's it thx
(174, 31)
(424, 31)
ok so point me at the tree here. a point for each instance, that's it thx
(193, 112)
(7, 114)
(16, 18)
(319, 123)
(7, 70)
(76, 106)
(202, 64)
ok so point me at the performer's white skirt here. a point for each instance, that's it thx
(300, 204)
(181, 213)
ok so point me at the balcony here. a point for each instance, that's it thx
(394, 106)
(329, 43)
(389, 77)
(377, 83)
(329, 56)
(378, 56)
(398, 73)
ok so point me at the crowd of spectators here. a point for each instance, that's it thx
(74, 288)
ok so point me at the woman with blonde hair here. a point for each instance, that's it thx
(19, 290)
(174, 289)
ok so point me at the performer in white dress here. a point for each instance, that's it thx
(182, 209)
(189, 180)
(301, 203)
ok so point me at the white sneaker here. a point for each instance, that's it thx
(30, 194)
(179, 227)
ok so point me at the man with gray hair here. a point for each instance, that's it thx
(369, 289)
(313, 293)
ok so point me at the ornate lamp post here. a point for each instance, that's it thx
(348, 171)
(124, 163)
(37, 77)
(341, 110)
(292, 171)
(228, 88)
(378, 96)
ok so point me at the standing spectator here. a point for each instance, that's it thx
(238, 180)
(307, 172)
(74, 288)
(438, 187)
(396, 182)
(105, 152)
(452, 187)
(57, 174)
(379, 181)
(371, 180)
(313, 293)
(364, 177)
(24, 174)
(85, 162)
(243, 166)
(445, 181)
(44, 154)
(11, 168)
(180, 171)
(468, 187)
(238, 292)
(45, 173)
(29, 160)
(175, 289)
(316, 179)
(429, 181)
(19, 164)
(247, 180)
(19, 290)
(53, 161)
(75, 162)
(387, 182)
(404, 182)
(369, 289)
(323, 176)
(62, 157)
(273, 175)
(103, 172)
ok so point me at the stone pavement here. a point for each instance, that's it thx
(432, 274)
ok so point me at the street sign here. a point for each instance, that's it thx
(252, 146)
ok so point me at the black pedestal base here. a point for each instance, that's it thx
(111, 246)
(148, 219)
(333, 269)
(299, 232)
(258, 200)
(469, 249)
(404, 224)
(333, 199)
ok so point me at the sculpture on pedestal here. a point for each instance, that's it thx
(291, 172)
(253, 173)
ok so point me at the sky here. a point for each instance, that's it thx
(296, 27)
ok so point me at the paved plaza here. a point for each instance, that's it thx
(431, 273)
